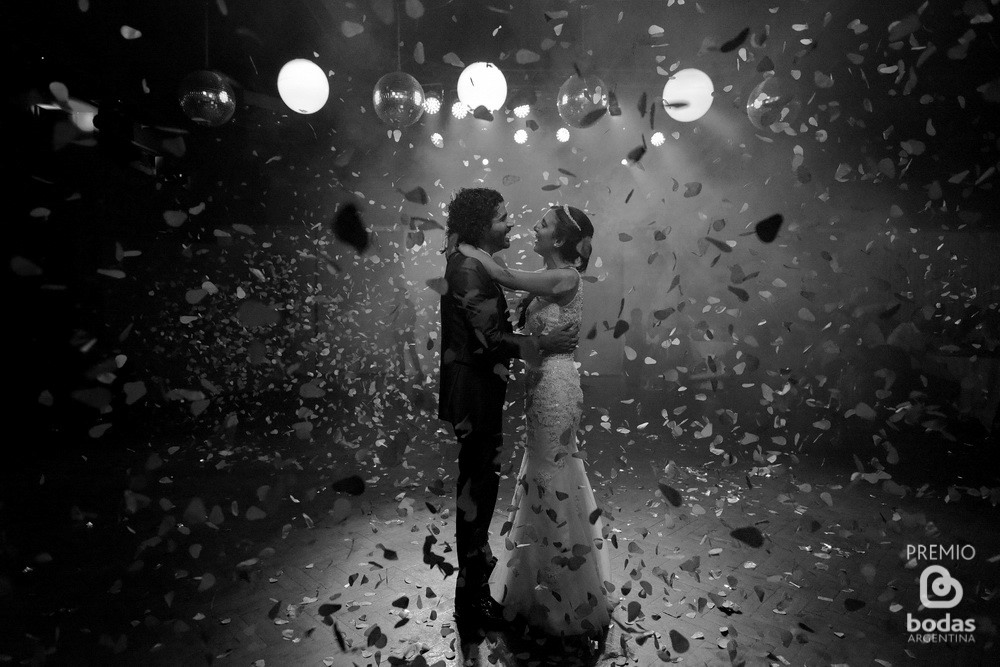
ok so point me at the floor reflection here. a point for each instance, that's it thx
(517, 645)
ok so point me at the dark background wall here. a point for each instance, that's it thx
(885, 180)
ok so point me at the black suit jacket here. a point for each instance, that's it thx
(477, 344)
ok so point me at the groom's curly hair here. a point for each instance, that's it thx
(470, 214)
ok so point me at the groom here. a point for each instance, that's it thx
(477, 344)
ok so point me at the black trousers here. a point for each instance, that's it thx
(478, 485)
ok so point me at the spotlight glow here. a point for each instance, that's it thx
(522, 111)
(562, 134)
(520, 136)
(432, 105)
(437, 140)
(657, 139)
(459, 109)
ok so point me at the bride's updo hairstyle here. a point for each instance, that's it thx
(576, 231)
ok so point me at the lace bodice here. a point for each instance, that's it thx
(544, 316)
(556, 567)
(554, 397)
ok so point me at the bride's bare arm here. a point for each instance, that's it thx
(547, 282)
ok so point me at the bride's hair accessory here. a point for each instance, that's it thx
(577, 233)
(569, 216)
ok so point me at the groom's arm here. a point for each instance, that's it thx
(479, 297)
(547, 282)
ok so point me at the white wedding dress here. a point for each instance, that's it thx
(555, 567)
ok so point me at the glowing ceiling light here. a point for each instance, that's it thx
(432, 105)
(687, 95)
(459, 109)
(657, 139)
(522, 111)
(482, 84)
(437, 140)
(303, 86)
(520, 136)
(562, 134)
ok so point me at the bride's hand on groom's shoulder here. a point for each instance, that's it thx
(471, 251)
(483, 256)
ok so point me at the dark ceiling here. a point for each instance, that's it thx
(81, 44)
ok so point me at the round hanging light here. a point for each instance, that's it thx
(207, 98)
(687, 95)
(562, 135)
(520, 136)
(657, 139)
(398, 100)
(459, 109)
(303, 86)
(482, 84)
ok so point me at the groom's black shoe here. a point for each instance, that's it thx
(484, 612)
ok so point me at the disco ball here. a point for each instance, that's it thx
(398, 100)
(774, 103)
(582, 101)
(207, 98)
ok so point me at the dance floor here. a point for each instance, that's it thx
(229, 267)
(291, 552)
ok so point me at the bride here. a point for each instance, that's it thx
(555, 570)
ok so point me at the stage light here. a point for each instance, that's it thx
(459, 109)
(432, 105)
(687, 95)
(520, 136)
(657, 139)
(521, 100)
(482, 84)
(562, 134)
(437, 140)
(303, 86)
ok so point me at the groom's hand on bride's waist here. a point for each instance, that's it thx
(561, 340)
